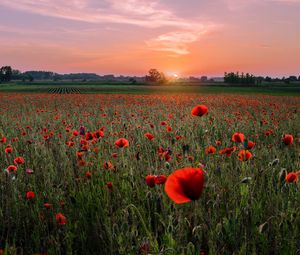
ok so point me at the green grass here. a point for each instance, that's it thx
(98, 88)
(260, 216)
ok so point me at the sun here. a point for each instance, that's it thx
(175, 75)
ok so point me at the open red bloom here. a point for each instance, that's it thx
(210, 150)
(30, 195)
(47, 205)
(228, 151)
(19, 161)
(122, 143)
(160, 179)
(60, 219)
(108, 165)
(109, 185)
(199, 110)
(8, 150)
(250, 145)
(288, 139)
(149, 136)
(238, 137)
(185, 185)
(12, 168)
(244, 155)
(75, 133)
(150, 180)
(88, 174)
(169, 129)
(291, 177)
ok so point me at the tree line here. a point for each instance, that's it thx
(154, 76)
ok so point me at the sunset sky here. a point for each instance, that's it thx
(186, 37)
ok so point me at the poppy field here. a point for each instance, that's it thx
(149, 174)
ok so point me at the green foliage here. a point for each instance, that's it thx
(236, 78)
(246, 208)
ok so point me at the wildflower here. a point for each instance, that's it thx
(244, 155)
(150, 180)
(47, 205)
(238, 137)
(291, 177)
(185, 185)
(199, 110)
(19, 161)
(288, 139)
(60, 219)
(160, 179)
(30, 195)
(149, 136)
(210, 150)
(122, 143)
(12, 168)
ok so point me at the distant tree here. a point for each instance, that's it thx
(30, 78)
(268, 79)
(203, 79)
(236, 78)
(132, 80)
(299, 78)
(16, 75)
(156, 76)
(293, 78)
(5, 73)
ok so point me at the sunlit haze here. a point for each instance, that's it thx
(182, 38)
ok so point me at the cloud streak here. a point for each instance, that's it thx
(141, 13)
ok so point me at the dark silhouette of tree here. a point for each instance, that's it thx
(268, 79)
(132, 80)
(236, 78)
(293, 78)
(5, 74)
(30, 78)
(156, 76)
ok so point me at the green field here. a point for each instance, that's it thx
(114, 88)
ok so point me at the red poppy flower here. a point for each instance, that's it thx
(238, 137)
(88, 175)
(160, 179)
(169, 129)
(60, 219)
(199, 110)
(250, 145)
(150, 180)
(122, 143)
(210, 150)
(109, 185)
(288, 139)
(108, 165)
(75, 133)
(12, 168)
(149, 136)
(79, 155)
(185, 185)
(30, 195)
(8, 150)
(19, 161)
(291, 177)
(47, 205)
(244, 155)
(114, 155)
(228, 151)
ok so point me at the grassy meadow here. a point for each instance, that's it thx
(67, 186)
(90, 87)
